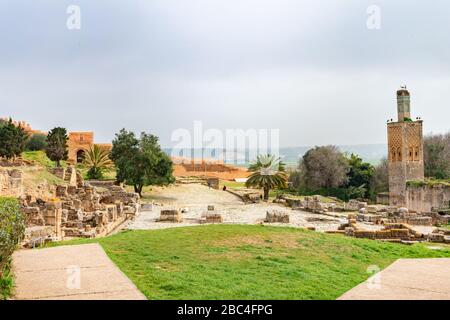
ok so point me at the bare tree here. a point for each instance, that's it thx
(380, 179)
(437, 156)
(324, 167)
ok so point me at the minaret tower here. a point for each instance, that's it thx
(405, 150)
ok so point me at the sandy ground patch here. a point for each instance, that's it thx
(196, 198)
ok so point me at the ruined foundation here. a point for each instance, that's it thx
(276, 217)
(77, 212)
(173, 216)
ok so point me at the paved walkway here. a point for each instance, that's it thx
(406, 279)
(81, 272)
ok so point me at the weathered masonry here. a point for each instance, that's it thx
(407, 185)
(405, 151)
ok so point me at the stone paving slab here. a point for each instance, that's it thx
(52, 273)
(406, 279)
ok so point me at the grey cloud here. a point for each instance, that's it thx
(310, 68)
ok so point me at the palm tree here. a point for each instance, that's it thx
(97, 160)
(268, 173)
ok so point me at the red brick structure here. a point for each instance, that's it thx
(405, 150)
(79, 142)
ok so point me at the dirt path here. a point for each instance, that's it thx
(406, 279)
(81, 272)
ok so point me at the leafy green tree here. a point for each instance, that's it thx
(268, 173)
(36, 142)
(57, 149)
(140, 162)
(359, 176)
(97, 160)
(12, 140)
(352, 192)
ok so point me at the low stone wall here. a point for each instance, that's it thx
(246, 195)
(213, 217)
(309, 203)
(440, 235)
(173, 216)
(390, 232)
(80, 211)
(69, 175)
(428, 197)
(11, 182)
(102, 183)
(277, 217)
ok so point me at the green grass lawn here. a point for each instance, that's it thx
(108, 174)
(231, 184)
(249, 262)
(39, 158)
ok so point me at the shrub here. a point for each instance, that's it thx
(36, 142)
(12, 140)
(12, 229)
(97, 160)
(94, 174)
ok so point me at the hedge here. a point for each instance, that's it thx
(12, 229)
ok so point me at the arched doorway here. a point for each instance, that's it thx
(80, 156)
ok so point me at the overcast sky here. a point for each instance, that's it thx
(310, 68)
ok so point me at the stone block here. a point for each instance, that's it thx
(170, 216)
(436, 237)
(72, 190)
(61, 191)
(112, 212)
(213, 218)
(277, 217)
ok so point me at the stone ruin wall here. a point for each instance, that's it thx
(208, 167)
(405, 155)
(79, 141)
(78, 211)
(83, 141)
(428, 198)
(75, 209)
(11, 184)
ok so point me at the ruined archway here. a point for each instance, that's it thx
(81, 154)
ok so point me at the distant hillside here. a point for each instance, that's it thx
(372, 153)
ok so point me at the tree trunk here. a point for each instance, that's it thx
(266, 194)
(138, 189)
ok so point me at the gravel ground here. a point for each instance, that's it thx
(195, 199)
